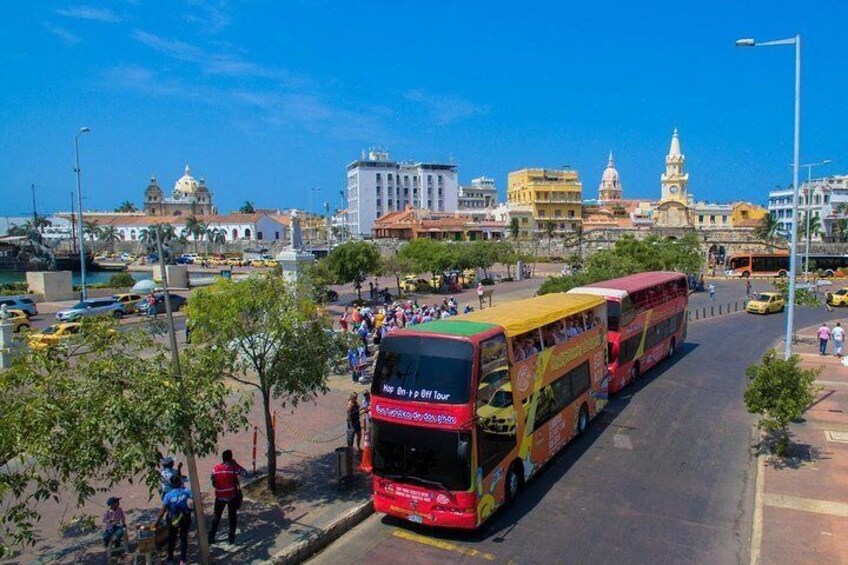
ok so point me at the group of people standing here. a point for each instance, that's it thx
(178, 505)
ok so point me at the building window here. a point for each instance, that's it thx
(712, 219)
(235, 233)
(724, 219)
(259, 235)
(378, 177)
(701, 219)
(247, 233)
(389, 176)
(571, 213)
(276, 235)
(541, 213)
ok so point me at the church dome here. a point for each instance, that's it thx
(153, 188)
(610, 176)
(186, 185)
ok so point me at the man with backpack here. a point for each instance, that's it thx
(225, 479)
(178, 504)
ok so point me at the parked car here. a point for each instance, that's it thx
(91, 307)
(184, 260)
(53, 335)
(127, 300)
(766, 303)
(838, 298)
(153, 258)
(19, 319)
(414, 283)
(177, 303)
(20, 303)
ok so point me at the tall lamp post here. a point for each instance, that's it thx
(807, 216)
(79, 210)
(790, 311)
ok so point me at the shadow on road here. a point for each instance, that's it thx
(499, 526)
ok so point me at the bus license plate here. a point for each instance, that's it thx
(416, 518)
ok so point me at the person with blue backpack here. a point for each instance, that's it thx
(178, 504)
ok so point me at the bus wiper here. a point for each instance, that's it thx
(436, 484)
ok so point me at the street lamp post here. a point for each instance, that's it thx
(79, 210)
(807, 216)
(790, 310)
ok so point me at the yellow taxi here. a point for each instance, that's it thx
(234, 262)
(127, 300)
(838, 298)
(19, 319)
(257, 263)
(414, 283)
(497, 416)
(56, 333)
(270, 263)
(766, 303)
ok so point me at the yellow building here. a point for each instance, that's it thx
(747, 215)
(549, 194)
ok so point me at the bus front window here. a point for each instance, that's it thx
(422, 455)
(424, 369)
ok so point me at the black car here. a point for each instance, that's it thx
(177, 303)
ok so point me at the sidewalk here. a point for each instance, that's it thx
(801, 507)
(310, 510)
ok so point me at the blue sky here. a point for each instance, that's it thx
(268, 99)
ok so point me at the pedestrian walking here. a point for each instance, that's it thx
(225, 480)
(178, 505)
(711, 289)
(748, 288)
(354, 425)
(151, 307)
(824, 336)
(166, 473)
(114, 522)
(838, 337)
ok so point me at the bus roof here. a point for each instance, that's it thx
(521, 316)
(639, 281)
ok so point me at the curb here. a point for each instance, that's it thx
(301, 551)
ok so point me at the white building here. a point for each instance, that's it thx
(480, 195)
(377, 186)
(822, 197)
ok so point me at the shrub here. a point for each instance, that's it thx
(121, 280)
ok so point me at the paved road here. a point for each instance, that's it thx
(665, 475)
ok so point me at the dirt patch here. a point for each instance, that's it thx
(258, 490)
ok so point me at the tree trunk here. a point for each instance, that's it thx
(397, 281)
(271, 444)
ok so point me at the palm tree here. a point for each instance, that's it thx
(194, 228)
(840, 230)
(110, 235)
(815, 228)
(550, 228)
(17, 231)
(218, 236)
(247, 208)
(126, 207)
(766, 231)
(91, 229)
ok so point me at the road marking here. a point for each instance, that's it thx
(838, 437)
(757, 526)
(440, 544)
(807, 504)
(622, 441)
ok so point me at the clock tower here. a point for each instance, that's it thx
(675, 183)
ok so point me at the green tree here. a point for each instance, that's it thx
(91, 229)
(79, 418)
(109, 235)
(274, 341)
(424, 255)
(194, 228)
(482, 255)
(779, 391)
(840, 230)
(550, 227)
(396, 266)
(126, 207)
(514, 228)
(247, 208)
(506, 255)
(815, 226)
(353, 261)
(767, 230)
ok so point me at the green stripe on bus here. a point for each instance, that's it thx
(453, 327)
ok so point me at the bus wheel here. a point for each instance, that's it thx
(514, 481)
(582, 420)
(671, 348)
(746, 275)
(782, 274)
(634, 372)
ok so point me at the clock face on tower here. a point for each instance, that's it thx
(672, 189)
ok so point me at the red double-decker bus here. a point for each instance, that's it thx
(646, 315)
(465, 410)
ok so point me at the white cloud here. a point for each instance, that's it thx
(445, 109)
(90, 13)
(66, 36)
(210, 16)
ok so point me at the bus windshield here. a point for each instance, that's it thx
(424, 369)
(420, 455)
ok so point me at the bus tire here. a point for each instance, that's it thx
(828, 274)
(782, 274)
(582, 420)
(746, 275)
(672, 348)
(634, 372)
(514, 481)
